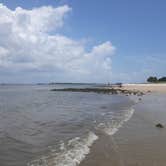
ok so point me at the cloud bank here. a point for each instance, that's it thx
(31, 49)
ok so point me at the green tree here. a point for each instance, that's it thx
(152, 79)
(162, 79)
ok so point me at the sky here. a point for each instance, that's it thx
(82, 40)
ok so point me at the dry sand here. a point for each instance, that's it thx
(161, 88)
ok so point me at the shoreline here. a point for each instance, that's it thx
(138, 142)
(128, 89)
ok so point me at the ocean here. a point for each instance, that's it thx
(39, 127)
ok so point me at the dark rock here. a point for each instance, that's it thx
(98, 90)
(159, 125)
(103, 107)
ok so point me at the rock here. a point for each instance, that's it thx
(103, 107)
(99, 90)
(159, 125)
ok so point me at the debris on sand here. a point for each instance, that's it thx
(159, 125)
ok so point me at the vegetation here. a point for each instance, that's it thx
(163, 79)
(152, 79)
(156, 80)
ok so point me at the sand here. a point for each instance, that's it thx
(161, 88)
(138, 142)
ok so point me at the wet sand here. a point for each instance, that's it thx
(138, 142)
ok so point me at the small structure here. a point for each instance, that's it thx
(119, 84)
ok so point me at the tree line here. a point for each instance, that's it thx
(156, 80)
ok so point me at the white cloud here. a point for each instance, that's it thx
(27, 47)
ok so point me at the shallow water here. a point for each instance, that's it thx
(39, 127)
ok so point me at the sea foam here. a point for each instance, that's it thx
(71, 154)
(75, 150)
(110, 128)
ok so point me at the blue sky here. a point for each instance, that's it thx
(135, 30)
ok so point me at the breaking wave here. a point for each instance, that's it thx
(71, 154)
(75, 150)
(113, 126)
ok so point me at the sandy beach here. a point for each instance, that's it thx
(161, 88)
(82, 83)
(138, 142)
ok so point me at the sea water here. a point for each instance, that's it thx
(39, 127)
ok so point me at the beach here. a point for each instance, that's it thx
(138, 142)
(158, 87)
(82, 83)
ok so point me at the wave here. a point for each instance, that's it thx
(75, 150)
(71, 154)
(110, 128)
